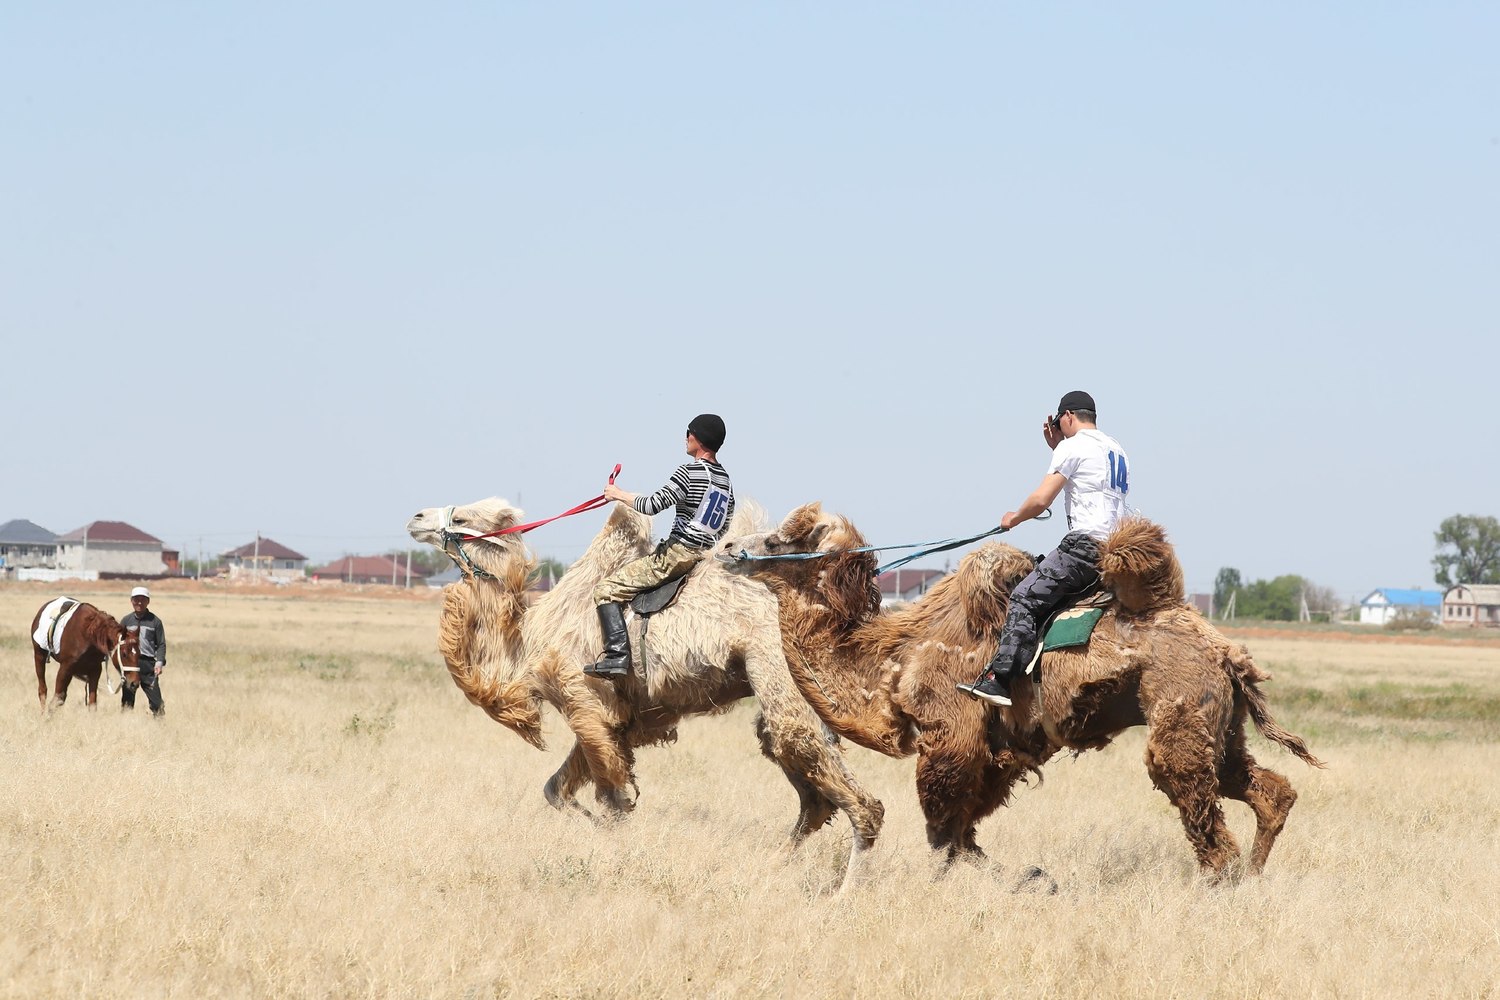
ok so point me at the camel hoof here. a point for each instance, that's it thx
(554, 797)
(1035, 881)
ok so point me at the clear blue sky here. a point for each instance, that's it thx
(305, 268)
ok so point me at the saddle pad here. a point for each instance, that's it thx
(651, 601)
(54, 618)
(1072, 628)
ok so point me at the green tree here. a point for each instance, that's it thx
(1468, 550)
(1225, 584)
(1275, 600)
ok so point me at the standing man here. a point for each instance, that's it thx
(153, 637)
(1092, 469)
(704, 498)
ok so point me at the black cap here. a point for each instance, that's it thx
(708, 428)
(1075, 400)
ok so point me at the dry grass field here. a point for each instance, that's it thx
(321, 814)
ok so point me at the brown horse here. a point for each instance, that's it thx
(88, 639)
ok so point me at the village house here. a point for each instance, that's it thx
(1387, 604)
(370, 569)
(24, 545)
(899, 586)
(265, 559)
(110, 549)
(1472, 605)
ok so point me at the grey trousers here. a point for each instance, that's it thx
(1065, 572)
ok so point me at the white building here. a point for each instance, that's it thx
(1388, 603)
(1472, 605)
(111, 548)
(267, 560)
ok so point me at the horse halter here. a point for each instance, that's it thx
(116, 659)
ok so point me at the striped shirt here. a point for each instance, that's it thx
(704, 499)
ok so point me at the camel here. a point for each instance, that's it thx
(718, 643)
(886, 681)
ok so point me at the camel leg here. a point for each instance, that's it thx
(795, 740)
(1269, 795)
(562, 788)
(950, 785)
(1180, 760)
(602, 745)
(817, 808)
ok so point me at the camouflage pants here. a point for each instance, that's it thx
(668, 561)
(1065, 572)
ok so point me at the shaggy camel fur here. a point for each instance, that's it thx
(886, 681)
(719, 642)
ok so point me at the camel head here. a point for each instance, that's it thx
(447, 528)
(842, 581)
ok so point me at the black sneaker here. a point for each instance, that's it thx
(990, 687)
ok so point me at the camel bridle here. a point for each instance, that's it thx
(453, 546)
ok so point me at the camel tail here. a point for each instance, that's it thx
(886, 734)
(1247, 677)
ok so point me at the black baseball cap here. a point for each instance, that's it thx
(1076, 400)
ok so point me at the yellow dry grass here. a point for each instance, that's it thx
(321, 814)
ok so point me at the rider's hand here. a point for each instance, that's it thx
(1052, 435)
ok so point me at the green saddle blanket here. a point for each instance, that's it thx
(1071, 628)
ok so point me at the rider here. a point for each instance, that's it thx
(704, 499)
(1092, 469)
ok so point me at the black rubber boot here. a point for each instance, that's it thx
(616, 659)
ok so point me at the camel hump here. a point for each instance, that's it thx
(1141, 567)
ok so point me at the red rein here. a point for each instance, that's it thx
(587, 505)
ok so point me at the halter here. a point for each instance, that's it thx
(117, 660)
(455, 537)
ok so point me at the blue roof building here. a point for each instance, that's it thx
(1390, 603)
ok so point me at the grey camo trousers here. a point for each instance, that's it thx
(1065, 572)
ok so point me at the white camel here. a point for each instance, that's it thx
(719, 642)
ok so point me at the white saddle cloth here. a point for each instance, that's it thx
(55, 618)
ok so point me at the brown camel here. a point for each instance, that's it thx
(886, 681)
(718, 643)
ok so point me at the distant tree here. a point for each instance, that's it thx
(549, 567)
(1225, 584)
(1322, 600)
(428, 559)
(1468, 550)
(1275, 600)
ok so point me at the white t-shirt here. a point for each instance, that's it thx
(1098, 478)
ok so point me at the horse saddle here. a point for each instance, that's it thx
(649, 602)
(54, 619)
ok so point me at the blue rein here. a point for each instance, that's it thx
(941, 546)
